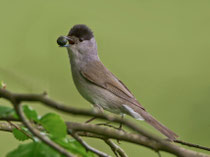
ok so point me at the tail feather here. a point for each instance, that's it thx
(163, 129)
(152, 121)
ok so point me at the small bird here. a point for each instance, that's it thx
(97, 84)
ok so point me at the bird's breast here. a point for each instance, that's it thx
(81, 84)
(95, 94)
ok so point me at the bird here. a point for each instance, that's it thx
(97, 84)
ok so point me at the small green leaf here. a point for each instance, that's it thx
(19, 134)
(30, 113)
(34, 149)
(54, 125)
(74, 147)
(7, 111)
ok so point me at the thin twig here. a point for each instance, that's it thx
(112, 148)
(115, 148)
(111, 126)
(159, 155)
(88, 147)
(192, 145)
(90, 120)
(23, 131)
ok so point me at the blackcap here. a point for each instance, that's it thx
(97, 84)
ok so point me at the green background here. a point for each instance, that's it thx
(159, 49)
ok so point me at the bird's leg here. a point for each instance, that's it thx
(96, 109)
(120, 127)
(90, 120)
(108, 124)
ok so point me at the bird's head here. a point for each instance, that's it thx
(79, 41)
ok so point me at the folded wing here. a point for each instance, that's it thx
(99, 75)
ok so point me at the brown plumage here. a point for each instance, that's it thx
(99, 75)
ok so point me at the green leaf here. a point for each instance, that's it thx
(34, 149)
(54, 125)
(74, 147)
(30, 113)
(4, 110)
(19, 134)
(7, 111)
(39, 149)
(79, 147)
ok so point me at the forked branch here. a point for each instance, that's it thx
(140, 137)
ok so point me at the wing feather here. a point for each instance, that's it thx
(99, 75)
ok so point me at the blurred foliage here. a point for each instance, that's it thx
(21, 133)
(7, 111)
(57, 134)
(30, 113)
(159, 49)
(34, 149)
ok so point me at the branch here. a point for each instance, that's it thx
(162, 145)
(91, 130)
(141, 137)
(70, 110)
(115, 148)
(6, 127)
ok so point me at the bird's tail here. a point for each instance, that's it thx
(152, 121)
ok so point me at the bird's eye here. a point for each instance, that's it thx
(71, 42)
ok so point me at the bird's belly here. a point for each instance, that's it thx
(101, 97)
(98, 96)
(108, 101)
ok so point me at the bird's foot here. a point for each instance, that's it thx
(90, 120)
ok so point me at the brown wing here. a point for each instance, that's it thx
(99, 75)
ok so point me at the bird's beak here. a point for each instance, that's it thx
(70, 40)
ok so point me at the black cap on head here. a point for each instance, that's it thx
(81, 31)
